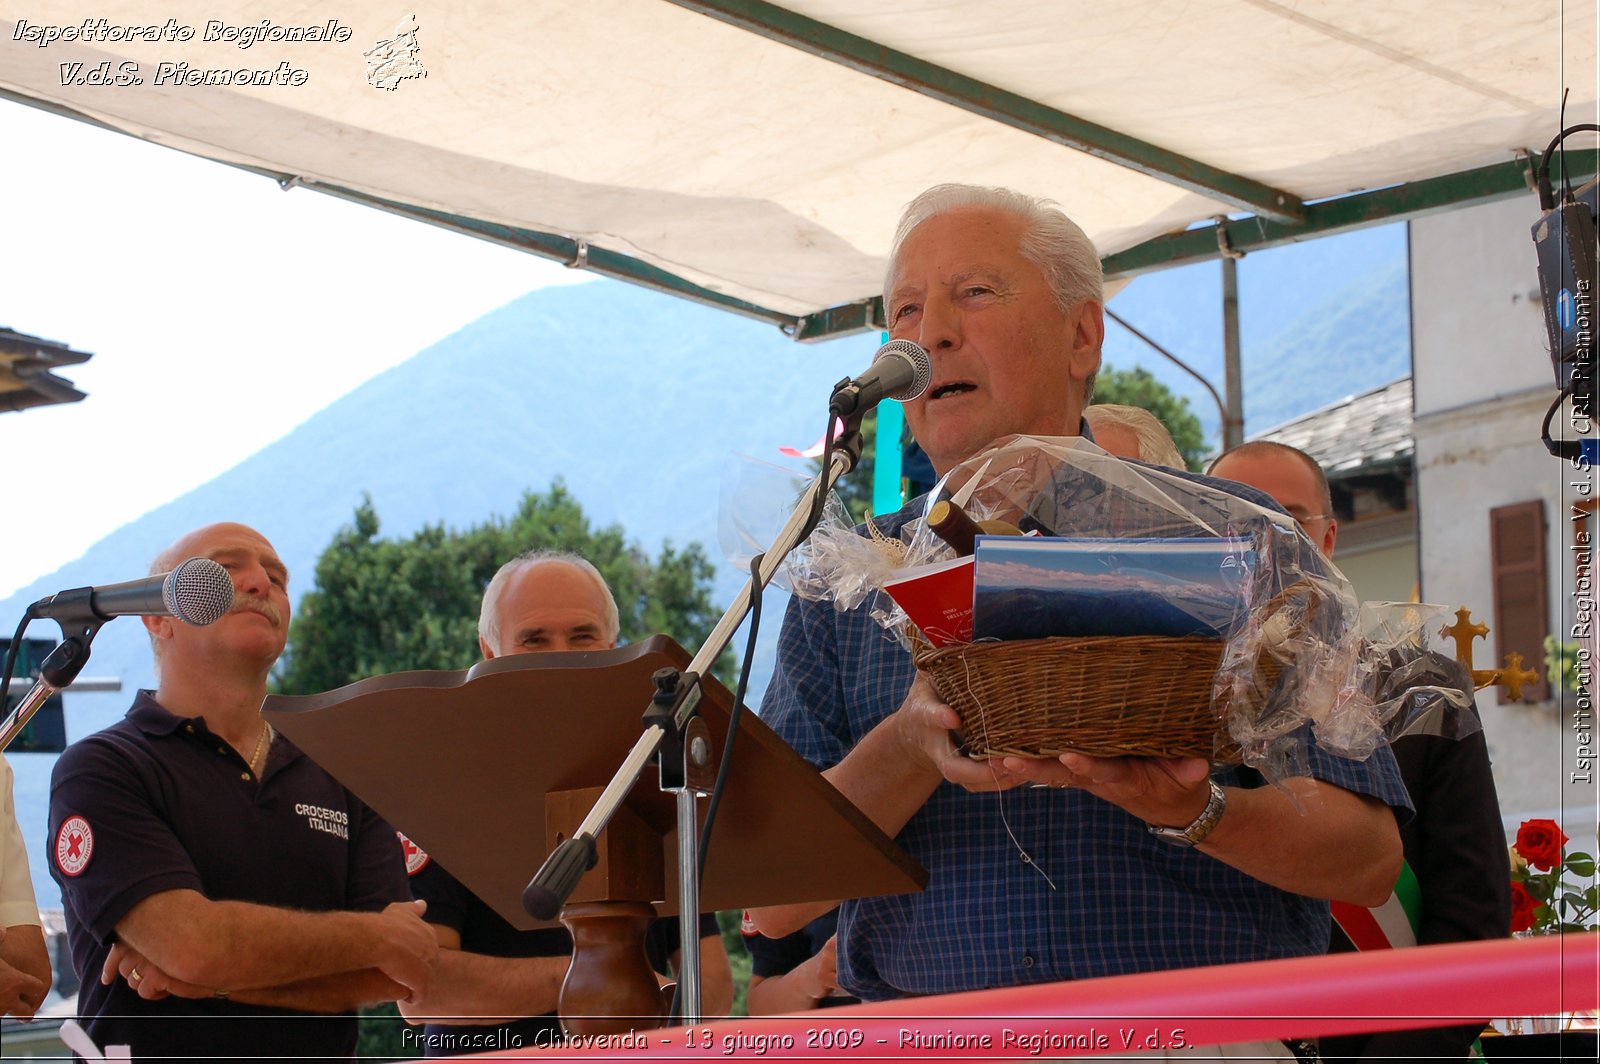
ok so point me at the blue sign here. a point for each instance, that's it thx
(1566, 313)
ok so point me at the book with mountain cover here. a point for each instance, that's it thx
(1037, 587)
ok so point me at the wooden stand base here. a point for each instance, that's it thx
(610, 988)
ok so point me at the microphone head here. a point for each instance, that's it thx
(921, 368)
(198, 591)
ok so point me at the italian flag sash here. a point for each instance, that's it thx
(1392, 925)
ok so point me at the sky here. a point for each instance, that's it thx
(221, 312)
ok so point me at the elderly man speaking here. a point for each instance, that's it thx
(1081, 878)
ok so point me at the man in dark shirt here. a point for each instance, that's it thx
(1455, 846)
(498, 987)
(221, 889)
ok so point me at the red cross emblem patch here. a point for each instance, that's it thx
(416, 856)
(74, 846)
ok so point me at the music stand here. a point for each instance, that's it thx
(485, 768)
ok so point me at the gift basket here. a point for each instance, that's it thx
(1114, 609)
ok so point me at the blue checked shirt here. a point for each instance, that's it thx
(1117, 899)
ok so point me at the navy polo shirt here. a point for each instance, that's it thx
(485, 931)
(158, 802)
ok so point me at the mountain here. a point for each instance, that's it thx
(639, 401)
(636, 399)
(1318, 321)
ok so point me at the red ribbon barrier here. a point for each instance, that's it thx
(1299, 998)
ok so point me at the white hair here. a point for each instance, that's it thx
(1051, 241)
(1155, 442)
(488, 616)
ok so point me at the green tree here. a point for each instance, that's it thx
(1138, 387)
(382, 1035)
(389, 605)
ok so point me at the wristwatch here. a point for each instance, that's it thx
(1200, 827)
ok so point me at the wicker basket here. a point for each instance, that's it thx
(1145, 696)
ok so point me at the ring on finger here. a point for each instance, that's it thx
(134, 974)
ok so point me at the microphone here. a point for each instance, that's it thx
(198, 591)
(900, 370)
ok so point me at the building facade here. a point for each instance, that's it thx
(1496, 526)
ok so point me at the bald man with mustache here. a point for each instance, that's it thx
(224, 896)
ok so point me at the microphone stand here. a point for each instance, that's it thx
(667, 721)
(61, 666)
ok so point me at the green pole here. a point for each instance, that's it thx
(887, 496)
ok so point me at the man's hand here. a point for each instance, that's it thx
(409, 948)
(923, 726)
(800, 988)
(1299, 835)
(145, 978)
(20, 993)
(892, 772)
(821, 972)
(1167, 791)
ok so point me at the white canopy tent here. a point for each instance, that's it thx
(756, 157)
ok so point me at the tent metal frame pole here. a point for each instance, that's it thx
(570, 251)
(1359, 210)
(573, 252)
(1216, 398)
(1232, 373)
(1396, 203)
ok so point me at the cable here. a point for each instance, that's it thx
(11, 659)
(733, 716)
(757, 585)
(1558, 448)
(1547, 200)
(829, 438)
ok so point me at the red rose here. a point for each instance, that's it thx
(1539, 842)
(1523, 906)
